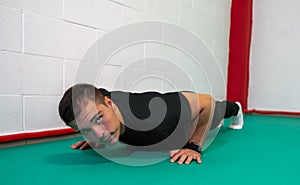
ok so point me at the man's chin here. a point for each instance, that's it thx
(112, 142)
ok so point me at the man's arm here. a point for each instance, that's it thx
(204, 122)
(83, 145)
(202, 108)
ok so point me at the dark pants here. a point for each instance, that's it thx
(224, 109)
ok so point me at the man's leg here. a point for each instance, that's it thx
(228, 109)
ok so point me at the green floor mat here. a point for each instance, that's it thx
(266, 151)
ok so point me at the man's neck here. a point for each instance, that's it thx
(120, 117)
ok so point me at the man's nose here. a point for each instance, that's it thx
(100, 131)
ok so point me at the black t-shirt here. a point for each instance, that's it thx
(152, 119)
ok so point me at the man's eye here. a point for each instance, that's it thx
(99, 120)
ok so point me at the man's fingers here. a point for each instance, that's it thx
(173, 152)
(84, 146)
(176, 156)
(189, 159)
(77, 144)
(198, 158)
(182, 158)
(185, 156)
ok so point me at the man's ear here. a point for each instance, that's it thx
(107, 100)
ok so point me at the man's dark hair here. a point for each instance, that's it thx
(76, 98)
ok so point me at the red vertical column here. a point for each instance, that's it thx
(239, 51)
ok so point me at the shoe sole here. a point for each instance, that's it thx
(236, 127)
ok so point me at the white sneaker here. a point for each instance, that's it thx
(221, 124)
(237, 121)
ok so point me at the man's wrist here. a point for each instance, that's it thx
(193, 146)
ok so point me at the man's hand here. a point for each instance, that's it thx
(185, 156)
(82, 145)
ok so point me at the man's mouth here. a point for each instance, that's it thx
(113, 132)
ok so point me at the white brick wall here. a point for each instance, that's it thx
(166, 10)
(102, 14)
(138, 5)
(70, 69)
(41, 113)
(51, 8)
(53, 37)
(131, 15)
(10, 29)
(107, 78)
(42, 43)
(11, 115)
(28, 74)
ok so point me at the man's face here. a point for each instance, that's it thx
(98, 123)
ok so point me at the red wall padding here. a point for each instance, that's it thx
(239, 51)
(33, 135)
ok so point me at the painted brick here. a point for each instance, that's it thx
(26, 74)
(138, 80)
(212, 31)
(102, 14)
(108, 77)
(164, 10)
(134, 4)
(127, 55)
(132, 16)
(81, 72)
(41, 113)
(70, 70)
(53, 37)
(10, 29)
(186, 2)
(100, 34)
(177, 82)
(11, 73)
(139, 5)
(51, 8)
(205, 6)
(214, 9)
(220, 50)
(223, 11)
(200, 83)
(213, 24)
(175, 57)
(42, 75)
(85, 72)
(11, 119)
(105, 77)
(217, 88)
(127, 43)
(188, 18)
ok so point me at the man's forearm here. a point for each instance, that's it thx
(203, 125)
